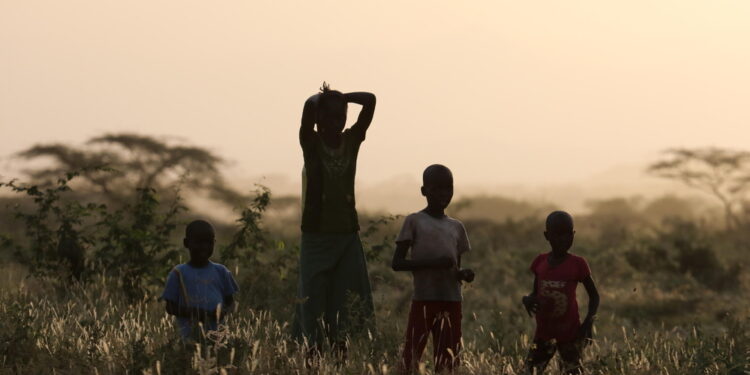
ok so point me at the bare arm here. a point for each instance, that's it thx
(530, 302)
(400, 263)
(227, 306)
(593, 293)
(309, 114)
(228, 302)
(367, 101)
(586, 331)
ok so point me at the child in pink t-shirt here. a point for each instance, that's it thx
(437, 242)
(553, 300)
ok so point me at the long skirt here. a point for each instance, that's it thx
(334, 299)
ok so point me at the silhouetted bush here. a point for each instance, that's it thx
(684, 248)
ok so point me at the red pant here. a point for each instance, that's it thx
(443, 320)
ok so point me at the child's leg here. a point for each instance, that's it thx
(539, 355)
(446, 336)
(418, 329)
(570, 354)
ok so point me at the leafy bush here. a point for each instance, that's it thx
(66, 238)
(53, 238)
(683, 248)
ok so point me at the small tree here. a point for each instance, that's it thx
(722, 173)
(52, 240)
(249, 238)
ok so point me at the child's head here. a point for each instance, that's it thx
(437, 186)
(332, 109)
(559, 231)
(199, 239)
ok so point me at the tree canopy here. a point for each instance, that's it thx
(722, 173)
(117, 165)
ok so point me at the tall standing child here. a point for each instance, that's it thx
(553, 300)
(332, 268)
(199, 292)
(437, 243)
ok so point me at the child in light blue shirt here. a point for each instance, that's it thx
(199, 291)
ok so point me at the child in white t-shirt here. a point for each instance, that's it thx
(437, 242)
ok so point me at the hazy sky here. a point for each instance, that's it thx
(502, 92)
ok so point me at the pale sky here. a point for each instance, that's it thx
(503, 92)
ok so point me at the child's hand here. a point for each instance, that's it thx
(466, 275)
(531, 304)
(586, 331)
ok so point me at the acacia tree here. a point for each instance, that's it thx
(722, 173)
(117, 165)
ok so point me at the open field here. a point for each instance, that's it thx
(90, 329)
(80, 277)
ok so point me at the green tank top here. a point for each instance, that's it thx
(328, 204)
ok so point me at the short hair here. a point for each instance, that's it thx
(197, 225)
(329, 96)
(434, 172)
(559, 222)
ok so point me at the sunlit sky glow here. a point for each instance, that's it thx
(502, 92)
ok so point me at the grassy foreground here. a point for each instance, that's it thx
(90, 329)
(674, 291)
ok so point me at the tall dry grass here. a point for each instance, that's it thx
(78, 329)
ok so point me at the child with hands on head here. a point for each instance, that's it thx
(334, 294)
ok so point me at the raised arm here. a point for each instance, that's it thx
(400, 263)
(309, 114)
(367, 101)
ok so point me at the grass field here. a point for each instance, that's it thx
(674, 295)
(91, 329)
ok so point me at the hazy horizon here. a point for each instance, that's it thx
(503, 93)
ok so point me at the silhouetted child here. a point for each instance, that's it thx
(199, 291)
(553, 300)
(437, 243)
(333, 272)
